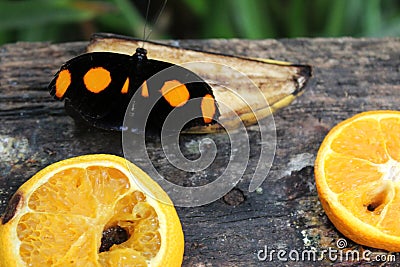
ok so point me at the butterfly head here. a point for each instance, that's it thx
(141, 54)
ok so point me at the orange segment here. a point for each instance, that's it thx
(356, 201)
(54, 197)
(37, 231)
(361, 136)
(357, 173)
(391, 129)
(390, 222)
(95, 210)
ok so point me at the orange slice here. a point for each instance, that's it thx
(94, 210)
(357, 173)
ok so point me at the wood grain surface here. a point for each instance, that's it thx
(350, 76)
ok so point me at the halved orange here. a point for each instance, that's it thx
(93, 210)
(357, 173)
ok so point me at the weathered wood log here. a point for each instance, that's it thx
(350, 76)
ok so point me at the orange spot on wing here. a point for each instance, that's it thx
(125, 88)
(63, 82)
(208, 108)
(145, 90)
(175, 93)
(97, 79)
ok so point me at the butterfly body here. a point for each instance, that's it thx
(100, 87)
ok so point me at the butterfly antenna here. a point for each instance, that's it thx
(145, 22)
(156, 20)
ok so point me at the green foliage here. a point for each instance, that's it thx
(65, 20)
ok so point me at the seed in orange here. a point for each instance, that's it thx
(357, 173)
(93, 210)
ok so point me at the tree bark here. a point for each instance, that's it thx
(350, 76)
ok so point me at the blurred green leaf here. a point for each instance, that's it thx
(336, 17)
(372, 18)
(131, 15)
(218, 24)
(199, 8)
(297, 18)
(390, 29)
(251, 19)
(63, 20)
(352, 18)
(22, 14)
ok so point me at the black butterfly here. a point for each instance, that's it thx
(98, 87)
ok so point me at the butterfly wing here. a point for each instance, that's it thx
(169, 89)
(93, 85)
